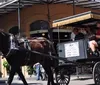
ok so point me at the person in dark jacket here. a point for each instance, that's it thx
(78, 34)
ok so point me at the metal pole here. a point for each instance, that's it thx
(58, 36)
(74, 7)
(19, 24)
(49, 29)
(48, 15)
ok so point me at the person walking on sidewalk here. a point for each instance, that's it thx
(38, 71)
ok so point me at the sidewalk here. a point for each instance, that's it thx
(81, 76)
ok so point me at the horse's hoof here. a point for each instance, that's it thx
(55, 84)
(7, 83)
(25, 83)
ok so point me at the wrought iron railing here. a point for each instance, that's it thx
(4, 1)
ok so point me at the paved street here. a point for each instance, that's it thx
(83, 80)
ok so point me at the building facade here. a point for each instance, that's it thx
(36, 12)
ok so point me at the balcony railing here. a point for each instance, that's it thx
(11, 5)
(4, 1)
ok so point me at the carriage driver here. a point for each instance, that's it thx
(13, 42)
(95, 43)
(17, 43)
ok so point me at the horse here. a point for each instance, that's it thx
(22, 56)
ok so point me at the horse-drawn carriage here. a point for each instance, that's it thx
(77, 53)
(41, 50)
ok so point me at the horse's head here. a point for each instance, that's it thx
(4, 42)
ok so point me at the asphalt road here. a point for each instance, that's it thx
(83, 80)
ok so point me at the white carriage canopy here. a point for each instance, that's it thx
(83, 19)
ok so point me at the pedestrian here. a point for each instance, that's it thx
(43, 73)
(38, 71)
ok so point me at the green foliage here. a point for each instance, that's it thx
(7, 66)
(30, 70)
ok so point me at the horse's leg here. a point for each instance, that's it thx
(11, 75)
(50, 75)
(19, 71)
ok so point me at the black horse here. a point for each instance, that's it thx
(24, 57)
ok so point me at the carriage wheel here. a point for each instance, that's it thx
(96, 73)
(62, 78)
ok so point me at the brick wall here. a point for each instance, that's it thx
(38, 12)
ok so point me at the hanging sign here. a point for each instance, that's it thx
(72, 49)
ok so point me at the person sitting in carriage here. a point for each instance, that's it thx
(76, 34)
(95, 42)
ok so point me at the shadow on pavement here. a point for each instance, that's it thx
(2, 81)
(90, 84)
(28, 84)
(83, 79)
